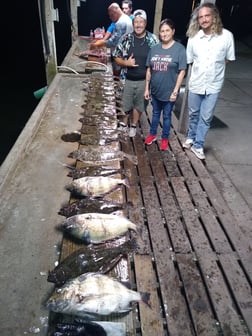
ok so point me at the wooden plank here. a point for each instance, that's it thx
(198, 238)
(222, 300)
(241, 288)
(136, 212)
(175, 310)
(236, 203)
(198, 301)
(180, 242)
(241, 243)
(207, 213)
(151, 321)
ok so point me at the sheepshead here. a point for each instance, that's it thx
(86, 259)
(87, 204)
(96, 295)
(98, 139)
(99, 122)
(97, 228)
(99, 131)
(86, 328)
(93, 171)
(98, 156)
(95, 186)
(90, 328)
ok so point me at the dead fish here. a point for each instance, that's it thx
(87, 259)
(91, 140)
(96, 295)
(98, 122)
(79, 329)
(97, 228)
(71, 137)
(87, 204)
(98, 139)
(96, 156)
(98, 130)
(93, 171)
(95, 186)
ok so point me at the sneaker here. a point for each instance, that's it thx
(188, 143)
(122, 127)
(150, 138)
(198, 152)
(132, 131)
(164, 144)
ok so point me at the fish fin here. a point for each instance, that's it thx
(105, 269)
(131, 158)
(127, 284)
(126, 182)
(145, 297)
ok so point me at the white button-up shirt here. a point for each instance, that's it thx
(209, 54)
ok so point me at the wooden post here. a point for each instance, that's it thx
(47, 17)
(74, 4)
(158, 16)
(183, 115)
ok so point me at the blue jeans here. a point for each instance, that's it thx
(158, 107)
(201, 110)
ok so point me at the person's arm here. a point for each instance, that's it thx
(147, 84)
(126, 63)
(109, 31)
(179, 81)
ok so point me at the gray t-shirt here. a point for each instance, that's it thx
(165, 65)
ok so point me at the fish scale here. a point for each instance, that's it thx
(97, 227)
(95, 295)
(95, 186)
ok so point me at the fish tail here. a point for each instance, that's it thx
(131, 158)
(129, 245)
(145, 297)
(126, 182)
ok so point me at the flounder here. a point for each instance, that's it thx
(99, 156)
(99, 259)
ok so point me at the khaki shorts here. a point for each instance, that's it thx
(133, 96)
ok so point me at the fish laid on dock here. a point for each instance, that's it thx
(87, 204)
(93, 171)
(85, 260)
(99, 156)
(94, 295)
(97, 227)
(90, 328)
(95, 186)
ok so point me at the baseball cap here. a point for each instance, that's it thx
(140, 13)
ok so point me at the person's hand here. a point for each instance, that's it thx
(97, 44)
(147, 94)
(131, 62)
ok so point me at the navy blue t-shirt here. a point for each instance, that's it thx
(165, 65)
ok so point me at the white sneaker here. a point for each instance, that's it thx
(122, 128)
(132, 132)
(188, 143)
(198, 152)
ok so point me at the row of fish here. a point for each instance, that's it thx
(82, 287)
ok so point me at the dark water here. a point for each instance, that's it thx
(22, 65)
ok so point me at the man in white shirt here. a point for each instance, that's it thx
(209, 48)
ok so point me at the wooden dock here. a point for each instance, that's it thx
(194, 257)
